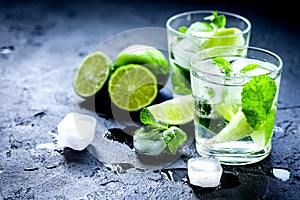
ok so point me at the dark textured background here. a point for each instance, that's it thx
(43, 42)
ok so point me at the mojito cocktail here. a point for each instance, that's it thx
(235, 91)
(192, 31)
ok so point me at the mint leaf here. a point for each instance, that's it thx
(146, 117)
(250, 67)
(223, 64)
(174, 137)
(219, 21)
(257, 99)
(182, 29)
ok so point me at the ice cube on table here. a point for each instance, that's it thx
(76, 131)
(204, 171)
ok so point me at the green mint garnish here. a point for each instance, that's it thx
(174, 137)
(223, 64)
(250, 67)
(217, 20)
(182, 29)
(257, 100)
(146, 117)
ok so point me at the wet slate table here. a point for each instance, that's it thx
(41, 45)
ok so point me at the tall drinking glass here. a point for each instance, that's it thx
(235, 92)
(192, 31)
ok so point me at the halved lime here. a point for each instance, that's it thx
(92, 74)
(225, 37)
(148, 56)
(176, 111)
(132, 87)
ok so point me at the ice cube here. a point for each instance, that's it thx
(76, 131)
(204, 171)
(148, 146)
(183, 50)
(264, 68)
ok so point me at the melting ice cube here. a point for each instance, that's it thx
(76, 131)
(183, 50)
(204, 171)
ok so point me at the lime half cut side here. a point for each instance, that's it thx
(132, 87)
(92, 74)
(176, 111)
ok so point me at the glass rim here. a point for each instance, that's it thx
(263, 50)
(172, 18)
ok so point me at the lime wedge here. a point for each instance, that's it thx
(92, 74)
(176, 111)
(226, 37)
(132, 87)
(174, 137)
(236, 129)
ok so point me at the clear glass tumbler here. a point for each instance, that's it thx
(235, 91)
(192, 31)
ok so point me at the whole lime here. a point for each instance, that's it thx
(145, 55)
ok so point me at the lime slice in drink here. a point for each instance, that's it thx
(176, 111)
(148, 56)
(92, 74)
(225, 37)
(132, 87)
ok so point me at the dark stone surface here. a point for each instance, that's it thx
(41, 45)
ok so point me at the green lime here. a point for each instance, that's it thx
(148, 56)
(92, 74)
(225, 37)
(176, 111)
(132, 87)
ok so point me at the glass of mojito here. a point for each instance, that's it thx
(192, 31)
(235, 91)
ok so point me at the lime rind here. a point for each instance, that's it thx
(176, 111)
(225, 37)
(148, 56)
(132, 87)
(92, 74)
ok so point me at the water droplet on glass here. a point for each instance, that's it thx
(280, 173)
(7, 49)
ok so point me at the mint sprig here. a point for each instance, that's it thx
(223, 64)
(173, 136)
(219, 21)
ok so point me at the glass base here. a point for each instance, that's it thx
(237, 156)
